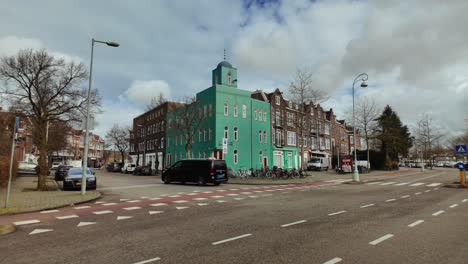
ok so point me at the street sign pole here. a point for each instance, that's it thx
(13, 143)
(461, 150)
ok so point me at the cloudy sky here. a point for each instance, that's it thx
(415, 52)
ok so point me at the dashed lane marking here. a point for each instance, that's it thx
(372, 183)
(246, 193)
(82, 207)
(390, 200)
(239, 198)
(38, 231)
(367, 205)
(230, 239)
(66, 217)
(80, 224)
(132, 208)
(202, 204)
(268, 194)
(49, 211)
(147, 261)
(381, 239)
(155, 198)
(438, 213)
(417, 184)
(180, 201)
(388, 183)
(405, 196)
(158, 204)
(416, 223)
(232, 194)
(155, 212)
(427, 190)
(191, 193)
(134, 201)
(181, 208)
(103, 212)
(333, 261)
(124, 199)
(337, 213)
(464, 200)
(99, 202)
(418, 193)
(208, 192)
(253, 196)
(200, 199)
(294, 223)
(107, 204)
(27, 222)
(220, 201)
(174, 196)
(124, 217)
(217, 196)
(401, 184)
(434, 184)
(453, 205)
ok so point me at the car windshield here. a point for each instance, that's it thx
(78, 171)
(315, 160)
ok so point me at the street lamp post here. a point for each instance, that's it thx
(363, 78)
(86, 136)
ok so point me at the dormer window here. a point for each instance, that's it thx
(277, 99)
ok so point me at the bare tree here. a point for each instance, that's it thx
(187, 121)
(302, 92)
(119, 137)
(156, 101)
(366, 121)
(426, 136)
(45, 89)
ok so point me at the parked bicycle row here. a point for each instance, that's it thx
(274, 173)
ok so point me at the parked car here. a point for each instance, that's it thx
(74, 176)
(114, 167)
(142, 170)
(318, 163)
(55, 165)
(128, 168)
(201, 171)
(26, 167)
(61, 172)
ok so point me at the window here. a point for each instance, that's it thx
(264, 137)
(210, 131)
(290, 119)
(278, 118)
(204, 154)
(327, 143)
(226, 132)
(279, 137)
(244, 111)
(168, 141)
(162, 142)
(235, 134)
(260, 136)
(290, 104)
(260, 117)
(199, 154)
(235, 157)
(255, 114)
(229, 78)
(264, 116)
(226, 109)
(210, 109)
(261, 156)
(204, 135)
(199, 135)
(236, 110)
(291, 138)
(277, 99)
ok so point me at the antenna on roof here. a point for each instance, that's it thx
(224, 54)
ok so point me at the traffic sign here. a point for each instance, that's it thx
(225, 144)
(461, 149)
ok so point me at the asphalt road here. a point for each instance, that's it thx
(407, 219)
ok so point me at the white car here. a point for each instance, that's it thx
(26, 167)
(55, 165)
(128, 168)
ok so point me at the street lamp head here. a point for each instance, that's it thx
(363, 84)
(112, 44)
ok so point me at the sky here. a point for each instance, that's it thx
(414, 52)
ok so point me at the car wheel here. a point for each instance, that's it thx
(201, 181)
(167, 179)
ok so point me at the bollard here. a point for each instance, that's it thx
(462, 177)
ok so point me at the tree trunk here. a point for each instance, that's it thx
(188, 147)
(122, 153)
(43, 168)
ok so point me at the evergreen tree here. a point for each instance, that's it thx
(394, 137)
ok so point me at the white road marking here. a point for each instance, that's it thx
(180, 201)
(163, 195)
(147, 261)
(99, 202)
(132, 208)
(438, 213)
(417, 193)
(196, 191)
(372, 183)
(387, 183)
(191, 194)
(464, 200)
(294, 223)
(158, 204)
(390, 200)
(174, 196)
(220, 190)
(232, 194)
(107, 204)
(155, 198)
(405, 196)
(220, 201)
(85, 224)
(217, 196)
(238, 189)
(208, 192)
(202, 204)
(144, 197)
(427, 190)
(436, 189)
(181, 193)
(81, 207)
(38, 231)
(453, 205)
(401, 184)
(134, 201)
(200, 199)
(124, 217)
(27, 222)
(333, 261)
(336, 213)
(181, 208)
(103, 212)
(416, 223)
(246, 193)
(379, 240)
(239, 198)
(124, 199)
(434, 184)
(258, 191)
(49, 211)
(367, 205)
(253, 196)
(155, 212)
(66, 217)
(230, 239)
(417, 184)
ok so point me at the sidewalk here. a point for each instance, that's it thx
(24, 197)
(330, 175)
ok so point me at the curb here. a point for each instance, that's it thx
(98, 196)
(7, 229)
(457, 186)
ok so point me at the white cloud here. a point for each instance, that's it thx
(115, 112)
(141, 92)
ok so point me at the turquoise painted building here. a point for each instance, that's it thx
(233, 126)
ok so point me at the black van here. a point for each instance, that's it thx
(201, 171)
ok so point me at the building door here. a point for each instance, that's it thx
(265, 162)
(290, 165)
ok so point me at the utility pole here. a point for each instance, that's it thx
(13, 144)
